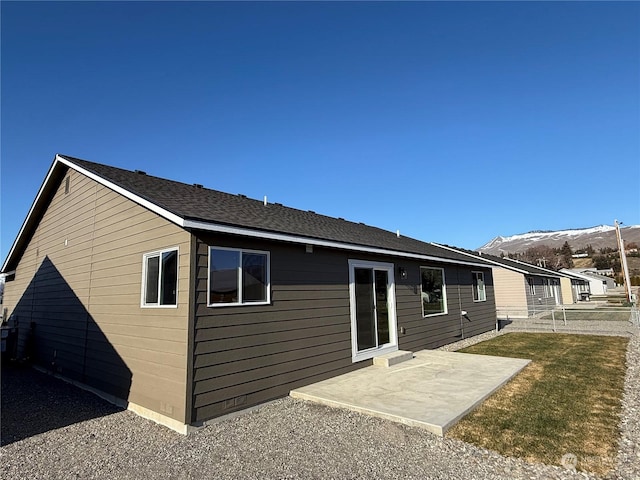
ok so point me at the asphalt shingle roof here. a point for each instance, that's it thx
(509, 263)
(211, 206)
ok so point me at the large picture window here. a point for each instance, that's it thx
(160, 278)
(479, 291)
(238, 277)
(434, 295)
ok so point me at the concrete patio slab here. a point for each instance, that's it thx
(434, 390)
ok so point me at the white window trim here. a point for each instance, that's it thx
(143, 288)
(240, 302)
(392, 346)
(475, 284)
(548, 288)
(444, 293)
(531, 284)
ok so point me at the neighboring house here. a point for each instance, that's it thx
(598, 284)
(521, 289)
(184, 303)
(606, 272)
(574, 288)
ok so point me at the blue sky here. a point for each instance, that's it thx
(452, 122)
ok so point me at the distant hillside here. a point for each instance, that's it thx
(598, 237)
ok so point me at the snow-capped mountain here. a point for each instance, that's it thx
(598, 237)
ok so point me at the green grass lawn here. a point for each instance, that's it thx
(567, 400)
(594, 315)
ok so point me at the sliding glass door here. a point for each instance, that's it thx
(372, 309)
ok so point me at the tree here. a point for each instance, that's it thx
(566, 253)
(601, 262)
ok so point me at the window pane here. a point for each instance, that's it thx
(482, 293)
(475, 287)
(365, 309)
(169, 282)
(223, 276)
(382, 306)
(254, 277)
(432, 291)
(151, 281)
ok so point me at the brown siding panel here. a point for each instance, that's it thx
(79, 283)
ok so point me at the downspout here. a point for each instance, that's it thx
(460, 301)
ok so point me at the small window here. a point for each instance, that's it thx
(160, 279)
(548, 285)
(532, 287)
(238, 277)
(479, 291)
(434, 295)
(545, 288)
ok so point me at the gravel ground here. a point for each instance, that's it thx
(53, 430)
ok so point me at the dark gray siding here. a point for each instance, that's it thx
(245, 355)
(435, 331)
(537, 301)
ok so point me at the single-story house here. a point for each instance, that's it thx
(183, 303)
(574, 287)
(598, 284)
(522, 289)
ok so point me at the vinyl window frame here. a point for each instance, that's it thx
(531, 283)
(240, 301)
(444, 293)
(145, 257)
(476, 287)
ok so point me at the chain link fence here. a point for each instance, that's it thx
(601, 319)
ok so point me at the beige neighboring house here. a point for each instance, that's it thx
(524, 290)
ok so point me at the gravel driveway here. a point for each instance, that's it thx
(53, 430)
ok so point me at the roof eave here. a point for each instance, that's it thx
(15, 252)
(286, 237)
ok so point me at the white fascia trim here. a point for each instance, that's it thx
(213, 227)
(285, 237)
(488, 260)
(26, 220)
(543, 273)
(172, 217)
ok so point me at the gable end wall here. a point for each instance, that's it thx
(78, 283)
